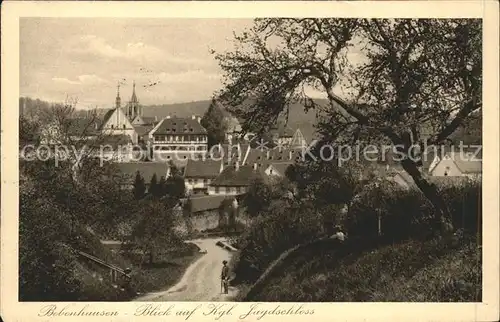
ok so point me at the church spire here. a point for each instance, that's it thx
(134, 97)
(118, 99)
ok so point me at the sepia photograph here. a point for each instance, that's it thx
(260, 159)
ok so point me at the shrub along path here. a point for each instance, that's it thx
(448, 269)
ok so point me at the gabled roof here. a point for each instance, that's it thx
(241, 177)
(281, 167)
(177, 125)
(107, 116)
(146, 169)
(202, 169)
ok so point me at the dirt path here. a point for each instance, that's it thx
(201, 281)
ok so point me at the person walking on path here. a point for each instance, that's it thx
(224, 276)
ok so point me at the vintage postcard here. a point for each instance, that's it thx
(250, 161)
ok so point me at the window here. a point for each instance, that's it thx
(112, 126)
(216, 189)
(124, 126)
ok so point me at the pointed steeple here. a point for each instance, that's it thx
(118, 99)
(134, 97)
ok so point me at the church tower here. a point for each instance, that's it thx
(134, 108)
(118, 100)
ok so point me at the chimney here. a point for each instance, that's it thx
(290, 153)
(267, 154)
(198, 119)
(156, 118)
(387, 167)
(221, 167)
(237, 165)
(193, 117)
(255, 166)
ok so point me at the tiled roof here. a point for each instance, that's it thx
(281, 167)
(143, 129)
(146, 169)
(228, 151)
(83, 126)
(202, 169)
(469, 166)
(241, 177)
(177, 125)
(106, 117)
(204, 203)
(264, 158)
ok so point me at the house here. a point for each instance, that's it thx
(199, 174)
(178, 138)
(146, 170)
(452, 162)
(234, 179)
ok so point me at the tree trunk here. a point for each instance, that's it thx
(430, 192)
(222, 221)
(151, 257)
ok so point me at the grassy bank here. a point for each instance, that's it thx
(436, 270)
(166, 270)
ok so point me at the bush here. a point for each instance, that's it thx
(404, 215)
(407, 214)
(284, 226)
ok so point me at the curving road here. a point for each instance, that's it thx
(201, 281)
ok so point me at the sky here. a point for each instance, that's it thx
(86, 58)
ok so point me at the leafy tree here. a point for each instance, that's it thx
(414, 82)
(261, 194)
(139, 186)
(162, 187)
(153, 186)
(29, 131)
(215, 123)
(154, 229)
(175, 187)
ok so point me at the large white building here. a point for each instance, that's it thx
(175, 138)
